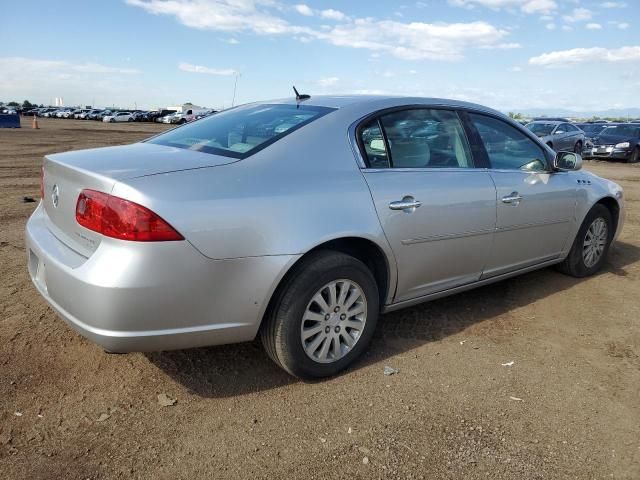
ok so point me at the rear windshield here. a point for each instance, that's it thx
(541, 129)
(241, 131)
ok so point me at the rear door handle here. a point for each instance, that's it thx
(513, 198)
(408, 204)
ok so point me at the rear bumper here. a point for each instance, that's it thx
(134, 296)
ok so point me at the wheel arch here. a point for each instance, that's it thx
(612, 205)
(364, 249)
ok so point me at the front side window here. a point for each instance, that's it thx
(416, 138)
(241, 131)
(507, 147)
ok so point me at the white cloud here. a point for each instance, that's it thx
(550, 26)
(594, 26)
(221, 15)
(515, 69)
(587, 55)
(303, 9)
(416, 41)
(620, 25)
(527, 6)
(566, 28)
(332, 14)
(191, 68)
(613, 4)
(328, 81)
(78, 82)
(578, 15)
(410, 41)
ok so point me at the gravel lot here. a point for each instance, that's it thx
(568, 406)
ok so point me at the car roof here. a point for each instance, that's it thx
(550, 122)
(375, 101)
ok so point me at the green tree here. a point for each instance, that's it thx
(13, 104)
(27, 104)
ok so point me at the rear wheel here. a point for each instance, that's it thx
(591, 245)
(323, 317)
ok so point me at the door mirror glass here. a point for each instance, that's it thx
(567, 161)
(558, 132)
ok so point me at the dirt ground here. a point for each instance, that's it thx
(568, 407)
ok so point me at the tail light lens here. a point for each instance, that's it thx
(122, 219)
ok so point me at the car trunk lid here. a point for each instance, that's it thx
(67, 174)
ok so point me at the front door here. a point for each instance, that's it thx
(535, 206)
(437, 210)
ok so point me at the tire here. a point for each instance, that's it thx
(281, 331)
(113, 120)
(130, 120)
(575, 264)
(577, 148)
(635, 156)
(182, 121)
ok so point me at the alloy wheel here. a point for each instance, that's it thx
(594, 242)
(333, 321)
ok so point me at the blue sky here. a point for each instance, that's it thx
(509, 54)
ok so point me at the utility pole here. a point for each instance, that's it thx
(235, 86)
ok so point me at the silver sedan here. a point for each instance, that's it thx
(301, 220)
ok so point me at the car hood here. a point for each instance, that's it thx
(612, 139)
(138, 160)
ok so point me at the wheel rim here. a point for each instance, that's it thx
(333, 321)
(594, 242)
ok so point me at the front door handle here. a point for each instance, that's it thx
(513, 198)
(408, 204)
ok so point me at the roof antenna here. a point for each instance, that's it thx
(300, 98)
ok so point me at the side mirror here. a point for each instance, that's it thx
(567, 161)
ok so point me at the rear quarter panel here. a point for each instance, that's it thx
(286, 199)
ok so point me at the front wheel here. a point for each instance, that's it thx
(591, 245)
(635, 156)
(113, 120)
(577, 148)
(323, 317)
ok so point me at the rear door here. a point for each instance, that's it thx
(535, 206)
(436, 209)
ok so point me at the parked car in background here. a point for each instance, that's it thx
(140, 116)
(118, 117)
(64, 112)
(180, 241)
(85, 115)
(559, 135)
(82, 111)
(618, 141)
(550, 119)
(158, 114)
(100, 116)
(46, 112)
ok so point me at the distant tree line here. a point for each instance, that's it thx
(25, 104)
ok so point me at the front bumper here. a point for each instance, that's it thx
(137, 296)
(608, 152)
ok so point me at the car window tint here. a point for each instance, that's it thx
(426, 138)
(242, 131)
(507, 147)
(373, 144)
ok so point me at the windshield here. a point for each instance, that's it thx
(592, 128)
(241, 131)
(541, 129)
(622, 130)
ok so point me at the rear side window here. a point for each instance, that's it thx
(507, 147)
(416, 138)
(243, 131)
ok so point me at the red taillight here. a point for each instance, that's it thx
(41, 182)
(119, 218)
